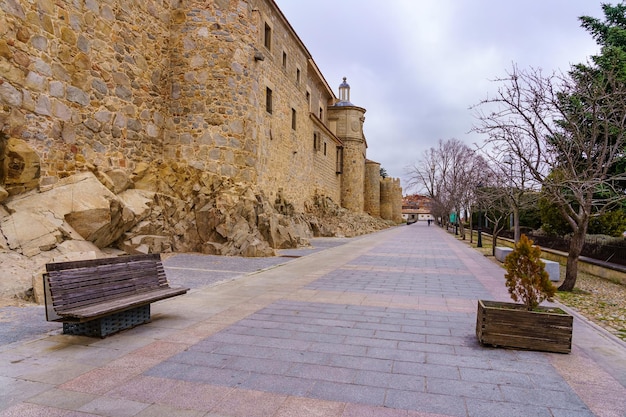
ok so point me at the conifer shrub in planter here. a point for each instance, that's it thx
(526, 324)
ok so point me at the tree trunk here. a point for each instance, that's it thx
(571, 270)
(516, 233)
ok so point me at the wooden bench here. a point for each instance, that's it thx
(99, 297)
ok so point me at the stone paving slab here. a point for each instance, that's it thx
(278, 350)
(381, 325)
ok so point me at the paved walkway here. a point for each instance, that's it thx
(382, 325)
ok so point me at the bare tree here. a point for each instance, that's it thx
(448, 174)
(515, 186)
(492, 199)
(567, 131)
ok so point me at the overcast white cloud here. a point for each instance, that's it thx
(417, 65)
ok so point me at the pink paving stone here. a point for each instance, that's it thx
(357, 410)
(596, 388)
(160, 350)
(137, 363)
(146, 389)
(34, 410)
(420, 414)
(99, 381)
(308, 407)
(195, 396)
(245, 403)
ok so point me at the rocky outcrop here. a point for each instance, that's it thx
(158, 208)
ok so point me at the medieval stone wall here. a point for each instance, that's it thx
(85, 82)
(214, 88)
(293, 136)
(347, 122)
(372, 188)
(396, 201)
(386, 196)
(115, 84)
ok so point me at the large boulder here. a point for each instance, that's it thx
(78, 204)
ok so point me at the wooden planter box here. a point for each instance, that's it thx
(511, 325)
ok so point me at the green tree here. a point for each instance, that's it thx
(552, 221)
(526, 277)
(611, 223)
(610, 35)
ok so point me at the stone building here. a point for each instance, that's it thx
(222, 86)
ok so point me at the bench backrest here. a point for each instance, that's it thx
(87, 282)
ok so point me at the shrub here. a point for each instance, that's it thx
(526, 278)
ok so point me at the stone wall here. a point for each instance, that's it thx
(372, 188)
(214, 88)
(287, 157)
(110, 85)
(347, 123)
(396, 201)
(386, 195)
(85, 82)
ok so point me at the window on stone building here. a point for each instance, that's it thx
(298, 75)
(267, 41)
(316, 141)
(308, 99)
(339, 160)
(284, 60)
(268, 100)
(321, 114)
(293, 119)
(324, 148)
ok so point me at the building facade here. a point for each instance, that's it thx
(222, 86)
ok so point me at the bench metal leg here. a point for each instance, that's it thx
(108, 325)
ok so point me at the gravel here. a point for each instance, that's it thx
(599, 300)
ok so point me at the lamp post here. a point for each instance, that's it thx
(479, 242)
(509, 162)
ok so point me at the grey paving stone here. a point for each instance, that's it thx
(397, 354)
(256, 365)
(394, 381)
(360, 362)
(514, 379)
(482, 408)
(24, 323)
(557, 412)
(464, 389)
(279, 384)
(322, 373)
(543, 397)
(431, 403)
(351, 393)
(457, 360)
(427, 370)
(339, 349)
(199, 358)
(425, 347)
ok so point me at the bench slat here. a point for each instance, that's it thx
(102, 309)
(90, 263)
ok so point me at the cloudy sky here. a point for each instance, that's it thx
(417, 65)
